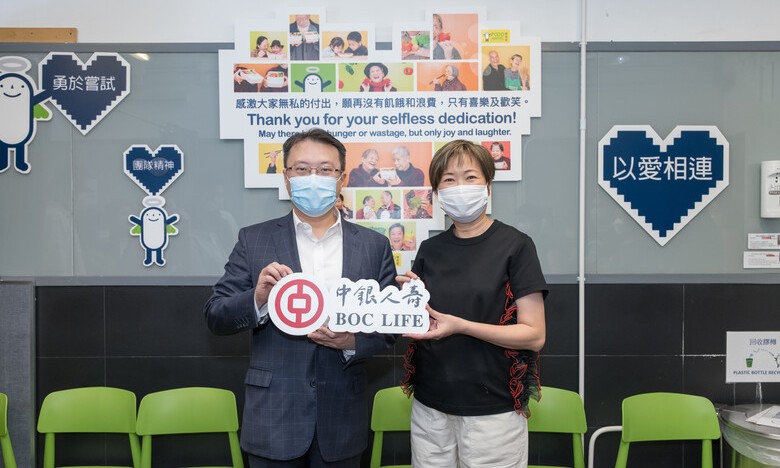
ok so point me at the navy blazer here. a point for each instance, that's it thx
(294, 386)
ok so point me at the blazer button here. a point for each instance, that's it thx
(313, 383)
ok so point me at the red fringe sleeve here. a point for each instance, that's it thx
(524, 365)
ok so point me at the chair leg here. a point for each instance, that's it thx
(579, 457)
(235, 450)
(376, 450)
(706, 454)
(48, 451)
(7, 452)
(146, 451)
(622, 456)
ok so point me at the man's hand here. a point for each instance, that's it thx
(268, 277)
(337, 340)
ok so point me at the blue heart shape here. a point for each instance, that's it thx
(85, 93)
(154, 171)
(663, 184)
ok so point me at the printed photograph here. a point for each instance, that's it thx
(269, 45)
(388, 164)
(500, 150)
(376, 77)
(402, 235)
(260, 78)
(304, 37)
(454, 36)
(450, 76)
(270, 158)
(345, 203)
(415, 45)
(506, 68)
(344, 45)
(377, 205)
(418, 204)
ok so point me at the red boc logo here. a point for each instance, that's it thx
(296, 305)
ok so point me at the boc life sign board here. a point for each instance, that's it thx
(299, 304)
(753, 356)
(663, 183)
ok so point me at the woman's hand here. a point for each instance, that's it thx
(405, 278)
(528, 333)
(442, 326)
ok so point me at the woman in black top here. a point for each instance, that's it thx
(473, 372)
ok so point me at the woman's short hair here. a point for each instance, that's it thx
(366, 199)
(260, 40)
(336, 42)
(499, 144)
(458, 150)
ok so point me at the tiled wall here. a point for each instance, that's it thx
(640, 338)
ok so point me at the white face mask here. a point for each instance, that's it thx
(464, 203)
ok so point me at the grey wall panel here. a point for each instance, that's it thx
(17, 339)
(70, 213)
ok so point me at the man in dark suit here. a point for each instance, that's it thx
(306, 402)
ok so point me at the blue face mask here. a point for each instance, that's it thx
(314, 195)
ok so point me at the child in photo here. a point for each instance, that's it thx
(334, 49)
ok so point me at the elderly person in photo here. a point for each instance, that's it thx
(376, 78)
(450, 81)
(406, 175)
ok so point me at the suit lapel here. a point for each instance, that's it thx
(286, 246)
(353, 249)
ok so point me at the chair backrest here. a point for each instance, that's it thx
(560, 411)
(103, 410)
(5, 439)
(190, 410)
(668, 416)
(392, 412)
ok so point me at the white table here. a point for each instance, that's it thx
(755, 446)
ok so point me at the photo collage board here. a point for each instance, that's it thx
(450, 76)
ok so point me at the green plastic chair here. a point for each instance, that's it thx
(189, 410)
(392, 413)
(5, 440)
(97, 410)
(668, 416)
(560, 411)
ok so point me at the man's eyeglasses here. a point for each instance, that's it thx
(303, 170)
